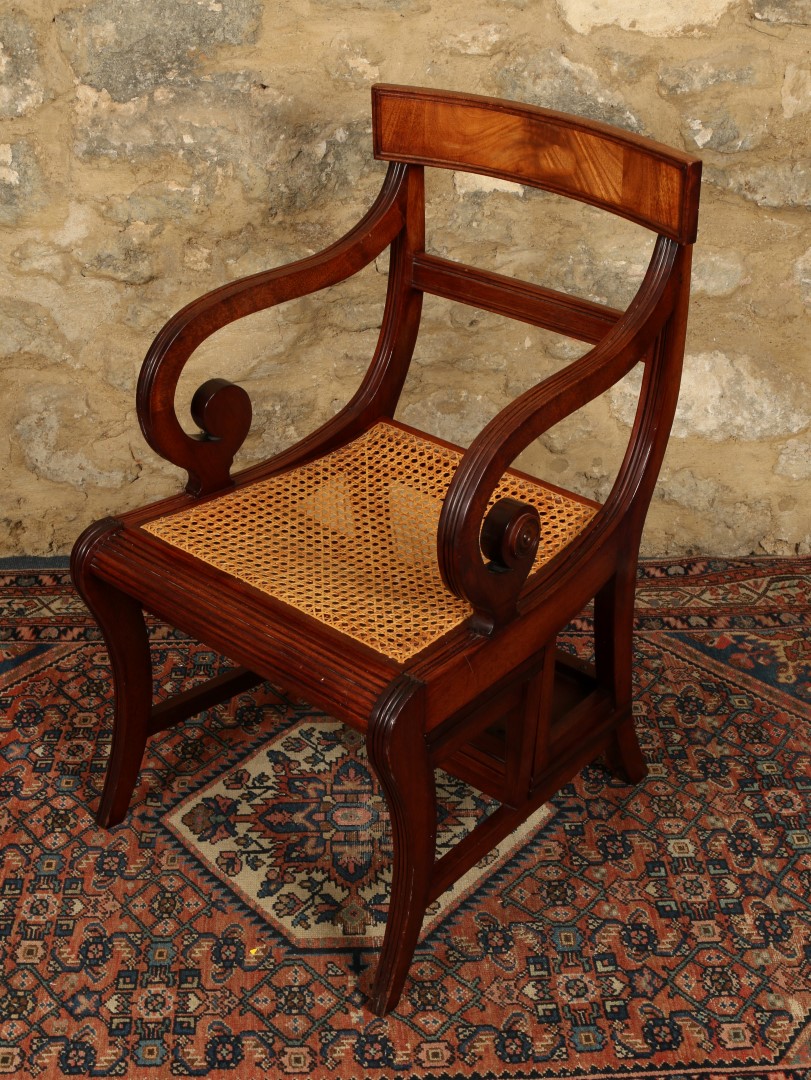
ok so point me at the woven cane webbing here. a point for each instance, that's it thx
(350, 539)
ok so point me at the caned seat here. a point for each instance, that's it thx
(349, 539)
(411, 588)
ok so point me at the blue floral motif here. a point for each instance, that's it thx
(77, 1058)
(96, 949)
(662, 1033)
(225, 1050)
(228, 951)
(639, 939)
(614, 845)
(494, 938)
(773, 927)
(513, 1046)
(373, 1050)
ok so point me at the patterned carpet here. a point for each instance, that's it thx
(662, 931)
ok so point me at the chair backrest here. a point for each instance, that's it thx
(619, 172)
(622, 173)
(636, 178)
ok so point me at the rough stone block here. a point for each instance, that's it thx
(131, 49)
(22, 82)
(779, 184)
(647, 18)
(802, 276)
(21, 184)
(795, 459)
(697, 76)
(782, 12)
(549, 78)
(795, 94)
(717, 273)
(718, 129)
(724, 397)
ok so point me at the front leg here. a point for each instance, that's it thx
(121, 620)
(398, 752)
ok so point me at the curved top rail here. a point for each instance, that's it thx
(627, 174)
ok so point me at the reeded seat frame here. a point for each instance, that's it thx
(488, 697)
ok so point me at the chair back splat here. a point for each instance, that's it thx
(412, 588)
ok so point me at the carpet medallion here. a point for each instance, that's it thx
(227, 926)
(299, 831)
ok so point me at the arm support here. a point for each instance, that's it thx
(222, 409)
(493, 589)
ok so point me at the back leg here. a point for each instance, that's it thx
(613, 648)
(121, 621)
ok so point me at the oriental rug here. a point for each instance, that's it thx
(224, 929)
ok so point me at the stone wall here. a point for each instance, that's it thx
(150, 151)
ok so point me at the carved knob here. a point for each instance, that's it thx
(510, 535)
(223, 411)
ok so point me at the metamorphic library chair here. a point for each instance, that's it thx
(410, 588)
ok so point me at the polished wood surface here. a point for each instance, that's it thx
(493, 700)
(642, 180)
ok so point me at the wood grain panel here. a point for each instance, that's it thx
(635, 178)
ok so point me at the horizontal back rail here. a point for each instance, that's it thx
(626, 174)
(517, 299)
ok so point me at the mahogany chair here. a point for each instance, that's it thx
(408, 587)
